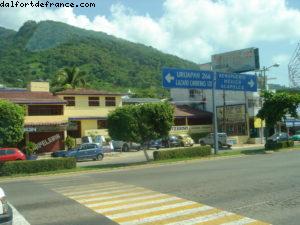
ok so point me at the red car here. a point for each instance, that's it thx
(10, 154)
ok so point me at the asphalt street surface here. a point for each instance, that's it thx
(262, 187)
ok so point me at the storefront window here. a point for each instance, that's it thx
(102, 124)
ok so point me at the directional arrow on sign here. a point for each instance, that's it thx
(169, 78)
(251, 83)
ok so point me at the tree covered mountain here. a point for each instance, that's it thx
(39, 50)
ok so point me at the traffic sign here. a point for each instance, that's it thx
(188, 79)
(202, 79)
(236, 82)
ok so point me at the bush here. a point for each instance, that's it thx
(26, 167)
(182, 153)
(70, 142)
(272, 145)
(30, 148)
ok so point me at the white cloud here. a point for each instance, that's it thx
(192, 29)
(281, 59)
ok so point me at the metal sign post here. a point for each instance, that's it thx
(216, 144)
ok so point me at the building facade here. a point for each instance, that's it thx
(45, 121)
(87, 110)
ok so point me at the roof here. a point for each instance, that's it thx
(187, 111)
(27, 97)
(82, 91)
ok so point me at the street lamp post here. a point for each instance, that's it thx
(263, 88)
(264, 69)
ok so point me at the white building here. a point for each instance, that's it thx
(234, 120)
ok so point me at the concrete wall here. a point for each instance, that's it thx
(38, 86)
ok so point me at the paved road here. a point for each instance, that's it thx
(261, 187)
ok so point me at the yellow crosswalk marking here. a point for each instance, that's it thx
(150, 206)
(131, 205)
(129, 202)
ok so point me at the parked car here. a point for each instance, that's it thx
(125, 146)
(156, 144)
(169, 142)
(98, 139)
(84, 151)
(6, 215)
(59, 153)
(209, 140)
(11, 154)
(296, 136)
(278, 137)
(185, 140)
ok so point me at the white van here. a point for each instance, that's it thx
(209, 140)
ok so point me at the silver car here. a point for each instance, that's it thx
(5, 210)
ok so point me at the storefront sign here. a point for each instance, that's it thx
(29, 129)
(192, 129)
(231, 114)
(48, 141)
(258, 123)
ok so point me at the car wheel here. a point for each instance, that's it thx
(125, 148)
(202, 143)
(99, 157)
(220, 145)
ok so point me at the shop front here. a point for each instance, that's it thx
(48, 138)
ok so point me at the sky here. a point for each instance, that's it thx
(191, 29)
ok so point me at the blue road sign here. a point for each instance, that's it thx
(188, 79)
(236, 82)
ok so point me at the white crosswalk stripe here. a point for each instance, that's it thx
(137, 212)
(243, 221)
(202, 218)
(95, 198)
(137, 204)
(166, 216)
(125, 200)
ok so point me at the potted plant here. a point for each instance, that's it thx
(30, 151)
(70, 142)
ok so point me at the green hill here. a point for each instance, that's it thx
(39, 50)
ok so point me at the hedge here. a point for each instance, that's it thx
(272, 145)
(36, 166)
(182, 153)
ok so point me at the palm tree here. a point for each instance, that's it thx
(70, 78)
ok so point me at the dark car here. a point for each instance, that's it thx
(169, 142)
(84, 151)
(6, 215)
(11, 154)
(279, 137)
(156, 144)
(125, 146)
